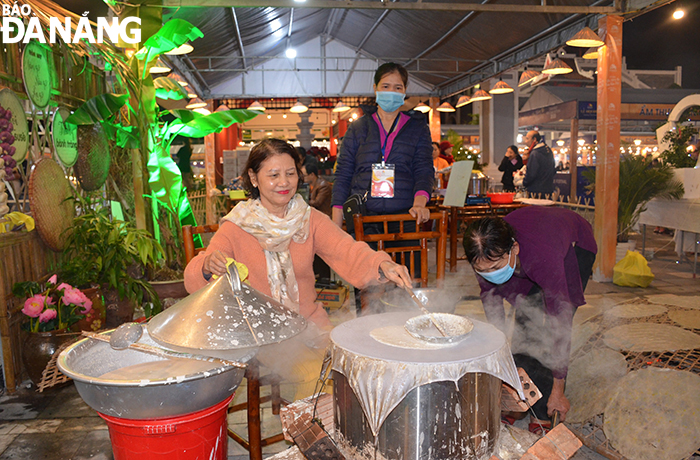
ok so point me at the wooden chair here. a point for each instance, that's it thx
(255, 381)
(399, 254)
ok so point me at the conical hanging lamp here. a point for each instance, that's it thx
(557, 67)
(527, 76)
(298, 108)
(591, 53)
(421, 107)
(480, 95)
(185, 48)
(159, 67)
(341, 107)
(445, 107)
(196, 103)
(501, 88)
(585, 38)
(256, 106)
(463, 100)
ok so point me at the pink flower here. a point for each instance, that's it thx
(34, 305)
(73, 296)
(53, 279)
(47, 315)
(87, 307)
(64, 286)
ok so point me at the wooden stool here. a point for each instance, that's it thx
(255, 441)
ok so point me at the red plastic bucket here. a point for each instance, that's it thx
(198, 435)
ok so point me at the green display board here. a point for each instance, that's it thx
(36, 74)
(65, 137)
(20, 128)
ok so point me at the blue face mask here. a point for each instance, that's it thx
(501, 275)
(389, 101)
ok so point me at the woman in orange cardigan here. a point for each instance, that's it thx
(276, 234)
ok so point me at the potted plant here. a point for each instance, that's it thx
(52, 309)
(639, 184)
(113, 255)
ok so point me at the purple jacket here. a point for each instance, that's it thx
(546, 236)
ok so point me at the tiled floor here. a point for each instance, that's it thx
(58, 425)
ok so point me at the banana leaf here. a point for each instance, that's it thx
(169, 88)
(196, 125)
(98, 109)
(173, 34)
(165, 177)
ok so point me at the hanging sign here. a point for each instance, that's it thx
(14, 131)
(36, 74)
(65, 137)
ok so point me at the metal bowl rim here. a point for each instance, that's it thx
(440, 340)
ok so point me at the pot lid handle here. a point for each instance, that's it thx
(233, 278)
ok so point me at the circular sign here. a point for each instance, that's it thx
(36, 74)
(65, 137)
(17, 121)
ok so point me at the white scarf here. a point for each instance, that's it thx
(274, 235)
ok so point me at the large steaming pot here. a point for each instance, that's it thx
(88, 360)
(439, 403)
(478, 184)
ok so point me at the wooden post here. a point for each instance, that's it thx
(573, 158)
(434, 119)
(210, 178)
(608, 157)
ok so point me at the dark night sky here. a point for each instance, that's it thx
(655, 41)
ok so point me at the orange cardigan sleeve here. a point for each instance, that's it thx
(194, 279)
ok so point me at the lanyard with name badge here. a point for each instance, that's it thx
(383, 173)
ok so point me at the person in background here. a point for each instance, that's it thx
(439, 164)
(446, 152)
(321, 190)
(512, 161)
(539, 175)
(539, 259)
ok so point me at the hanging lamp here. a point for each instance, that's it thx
(591, 53)
(585, 38)
(501, 88)
(196, 103)
(256, 106)
(341, 107)
(527, 76)
(445, 107)
(298, 108)
(185, 48)
(480, 95)
(421, 107)
(462, 101)
(557, 67)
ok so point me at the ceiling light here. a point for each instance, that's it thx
(527, 76)
(185, 48)
(341, 107)
(445, 107)
(269, 117)
(183, 83)
(202, 111)
(256, 106)
(222, 108)
(463, 100)
(298, 108)
(480, 95)
(585, 38)
(196, 103)
(291, 53)
(678, 14)
(501, 88)
(284, 115)
(591, 53)
(557, 67)
(422, 108)
(159, 67)
(191, 95)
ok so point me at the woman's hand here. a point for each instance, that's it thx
(557, 401)
(338, 216)
(214, 263)
(421, 213)
(396, 273)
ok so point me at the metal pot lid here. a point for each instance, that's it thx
(225, 315)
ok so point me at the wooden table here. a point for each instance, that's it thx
(469, 213)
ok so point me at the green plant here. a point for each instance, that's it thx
(51, 306)
(110, 253)
(639, 184)
(460, 153)
(679, 139)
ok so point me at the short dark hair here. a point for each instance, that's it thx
(261, 152)
(514, 149)
(311, 168)
(391, 67)
(488, 238)
(436, 144)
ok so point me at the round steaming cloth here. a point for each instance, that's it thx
(591, 382)
(636, 310)
(650, 337)
(655, 415)
(382, 375)
(397, 336)
(689, 319)
(49, 197)
(685, 301)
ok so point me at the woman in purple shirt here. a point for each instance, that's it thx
(539, 259)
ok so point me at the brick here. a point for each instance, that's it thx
(559, 444)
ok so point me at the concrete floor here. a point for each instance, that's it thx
(57, 424)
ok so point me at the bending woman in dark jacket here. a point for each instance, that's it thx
(396, 143)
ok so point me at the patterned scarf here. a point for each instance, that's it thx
(274, 235)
